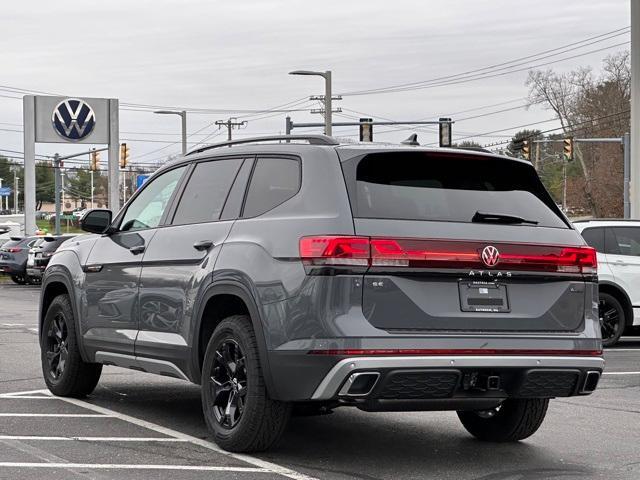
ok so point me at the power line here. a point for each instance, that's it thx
(438, 81)
(572, 128)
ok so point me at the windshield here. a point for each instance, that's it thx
(449, 187)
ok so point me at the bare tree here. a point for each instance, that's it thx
(590, 106)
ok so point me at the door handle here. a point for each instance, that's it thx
(137, 250)
(620, 262)
(202, 245)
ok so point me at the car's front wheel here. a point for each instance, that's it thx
(514, 420)
(65, 373)
(612, 319)
(235, 402)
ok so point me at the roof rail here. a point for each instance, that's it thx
(312, 139)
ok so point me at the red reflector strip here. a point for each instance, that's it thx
(453, 352)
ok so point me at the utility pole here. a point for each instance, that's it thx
(231, 123)
(634, 172)
(58, 182)
(15, 191)
(564, 184)
(91, 188)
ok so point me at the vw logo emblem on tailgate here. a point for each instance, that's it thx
(490, 256)
(73, 119)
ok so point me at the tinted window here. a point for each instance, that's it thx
(448, 187)
(233, 206)
(594, 237)
(274, 181)
(627, 240)
(147, 208)
(206, 192)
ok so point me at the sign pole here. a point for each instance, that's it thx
(57, 188)
(28, 114)
(114, 160)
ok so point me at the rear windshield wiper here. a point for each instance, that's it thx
(500, 218)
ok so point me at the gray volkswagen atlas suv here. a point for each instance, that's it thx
(298, 273)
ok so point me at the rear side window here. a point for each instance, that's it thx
(627, 240)
(594, 237)
(274, 181)
(448, 187)
(206, 192)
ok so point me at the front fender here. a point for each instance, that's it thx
(65, 270)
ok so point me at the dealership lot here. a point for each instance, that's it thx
(141, 426)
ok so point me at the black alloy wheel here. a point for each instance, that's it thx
(228, 383)
(612, 319)
(57, 345)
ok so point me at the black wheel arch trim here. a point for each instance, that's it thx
(628, 312)
(60, 277)
(233, 287)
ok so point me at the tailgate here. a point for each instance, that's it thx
(422, 283)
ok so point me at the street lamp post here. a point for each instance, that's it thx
(183, 115)
(327, 95)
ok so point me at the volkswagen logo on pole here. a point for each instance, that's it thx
(490, 256)
(73, 119)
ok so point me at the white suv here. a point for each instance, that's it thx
(618, 245)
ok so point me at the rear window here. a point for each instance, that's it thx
(447, 187)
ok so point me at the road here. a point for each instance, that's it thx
(141, 426)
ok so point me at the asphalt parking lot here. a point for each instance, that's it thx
(141, 426)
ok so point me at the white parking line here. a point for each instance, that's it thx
(613, 350)
(68, 415)
(13, 324)
(45, 393)
(93, 439)
(120, 466)
(26, 397)
(621, 373)
(258, 464)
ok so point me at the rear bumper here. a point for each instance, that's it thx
(35, 272)
(438, 380)
(12, 268)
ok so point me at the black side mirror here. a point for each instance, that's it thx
(96, 221)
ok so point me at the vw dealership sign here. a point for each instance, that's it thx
(70, 120)
(73, 119)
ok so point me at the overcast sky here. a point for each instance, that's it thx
(236, 55)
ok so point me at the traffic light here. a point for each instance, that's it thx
(444, 132)
(366, 130)
(525, 150)
(94, 163)
(567, 149)
(124, 155)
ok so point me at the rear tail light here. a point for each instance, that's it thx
(335, 251)
(14, 250)
(380, 253)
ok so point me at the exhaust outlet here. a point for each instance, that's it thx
(359, 384)
(591, 380)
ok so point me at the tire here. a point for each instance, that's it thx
(612, 319)
(19, 279)
(514, 420)
(65, 373)
(235, 402)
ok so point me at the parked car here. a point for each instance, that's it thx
(320, 275)
(40, 254)
(13, 258)
(618, 245)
